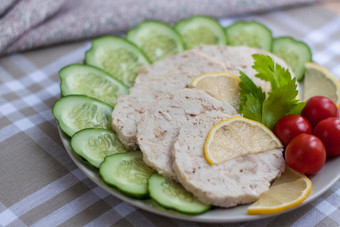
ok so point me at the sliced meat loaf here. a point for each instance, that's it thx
(189, 61)
(170, 74)
(130, 108)
(161, 122)
(238, 181)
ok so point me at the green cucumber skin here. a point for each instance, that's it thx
(97, 43)
(244, 22)
(132, 33)
(83, 134)
(295, 42)
(56, 113)
(63, 74)
(183, 22)
(237, 23)
(153, 194)
(122, 188)
(111, 37)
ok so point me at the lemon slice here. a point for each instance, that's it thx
(222, 86)
(291, 189)
(238, 136)
(320, 82)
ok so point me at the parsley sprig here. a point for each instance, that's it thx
(280, 100)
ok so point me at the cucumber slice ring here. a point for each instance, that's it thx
(116, 56)
(76, 112)
(90, 81)
(127, 172)
(249, 33)
(95, 144)
(157, 39)
(201, 30)
(295, 53)
(171, 194)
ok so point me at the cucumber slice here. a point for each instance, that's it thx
(95, 144)
(90, 81)
(294, 52)
(76, 112)
(249, 33)
(158, 40)
(117, 56)
(170, 194)
(200, 30)
(127, 172)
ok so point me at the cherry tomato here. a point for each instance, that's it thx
(290, 126)
(328, 131)
(306, 154)
(318, 108)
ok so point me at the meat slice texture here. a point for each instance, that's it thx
(170, 74)
(161, 122)
(130, 108)
(237, 58)
(190, 61)
(127, 114)
(238, 181)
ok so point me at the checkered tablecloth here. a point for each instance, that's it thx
(41, 186)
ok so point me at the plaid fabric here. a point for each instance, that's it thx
(28, 24)
(41, 186)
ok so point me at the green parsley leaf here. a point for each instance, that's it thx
(251, 98)
(248, 86)
(252, 108)
(280, 101)
(269, 71)
(278, 104)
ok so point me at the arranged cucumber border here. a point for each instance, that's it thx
(248, 33)
(71, 75)
(189, 27)
(102, 55)
(128, 54)
(138, 35)
(292, 46)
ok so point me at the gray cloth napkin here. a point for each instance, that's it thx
(29, 24)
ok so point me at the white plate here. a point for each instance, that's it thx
(322, 181)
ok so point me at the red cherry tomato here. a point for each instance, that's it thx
(306, 154)
(290, 126)
(318, 108)
(328, 131)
